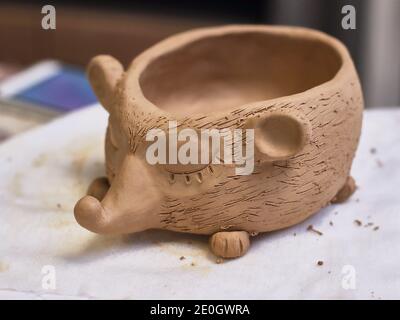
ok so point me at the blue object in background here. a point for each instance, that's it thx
(65, 91)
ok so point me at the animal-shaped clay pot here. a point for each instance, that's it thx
(297, 88)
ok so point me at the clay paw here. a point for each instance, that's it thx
(346, 191)
(230, 244)
(98, 188)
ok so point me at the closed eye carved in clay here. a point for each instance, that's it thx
(190, 173)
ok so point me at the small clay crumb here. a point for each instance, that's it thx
(335, 213)
(294, 234)
(376, 228)
(192, 264)
(253, 234)
(219, 260)
(372, 150)
(311, 228)
(330, 223)
(369, 224)
(379, 163)
(329, 272)
(59, 205)
(358, 223)
(320, 263)
(357, 200)
(182, 258)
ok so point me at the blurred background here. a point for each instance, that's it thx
(125, 28)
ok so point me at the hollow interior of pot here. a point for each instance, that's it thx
(224, 72)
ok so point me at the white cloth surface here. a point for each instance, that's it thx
(46, 170)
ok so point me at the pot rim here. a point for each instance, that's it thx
(133, 90)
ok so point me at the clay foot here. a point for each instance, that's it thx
(346, 191)
(231, 244)
(98, 188)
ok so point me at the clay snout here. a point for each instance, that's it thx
(130, 205)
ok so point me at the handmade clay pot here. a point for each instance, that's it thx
(296, 87)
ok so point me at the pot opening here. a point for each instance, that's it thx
(223, 72)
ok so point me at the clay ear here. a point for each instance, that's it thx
(104, 72)
(280, 136)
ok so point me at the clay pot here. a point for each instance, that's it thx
(296, 87)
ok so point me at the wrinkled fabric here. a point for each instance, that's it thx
(46, 170)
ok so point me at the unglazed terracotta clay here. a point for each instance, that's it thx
(296, 87)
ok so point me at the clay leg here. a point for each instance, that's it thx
(231, 244)
(346, 191)
(98, 188)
